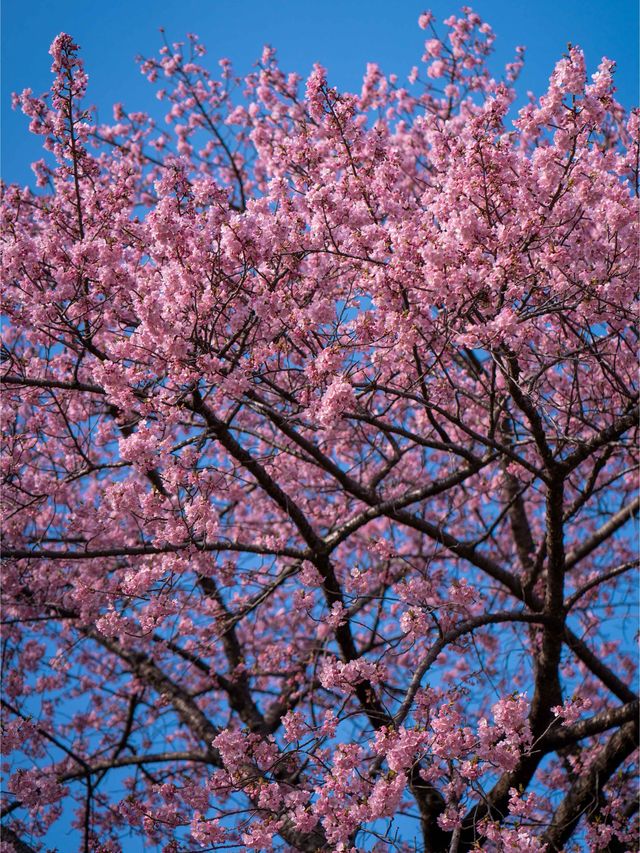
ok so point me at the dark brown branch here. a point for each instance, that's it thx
(237, 684)
(606, 436)
(142, 550)
(222, 434)
(585, 790)
(603, 533)
(185, 707)
(559, 738)
(26, 382)
(598, 668)
(451, 636)
(137, 760)
(8, 835)
(600, 579)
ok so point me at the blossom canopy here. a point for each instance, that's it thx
(319, 460)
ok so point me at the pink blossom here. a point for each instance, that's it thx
(425, 19)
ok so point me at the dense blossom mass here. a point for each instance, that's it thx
(319, 461)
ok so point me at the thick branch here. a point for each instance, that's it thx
(604, 437)
(610, 719)
(142, 550)
(585, 790)
(8, 835)
(603, 533)
(598, 668)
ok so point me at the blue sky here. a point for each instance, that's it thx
(342, 34)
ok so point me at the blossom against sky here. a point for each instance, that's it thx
(343, 36)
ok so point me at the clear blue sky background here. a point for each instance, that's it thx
(342, 34)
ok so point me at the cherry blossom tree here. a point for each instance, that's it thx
(319, 461)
